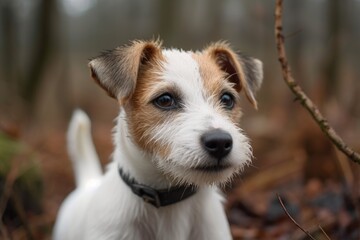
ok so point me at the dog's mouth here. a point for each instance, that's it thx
(212, 168)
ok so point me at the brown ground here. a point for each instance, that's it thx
(316, 184)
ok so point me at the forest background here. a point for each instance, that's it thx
(44, 49)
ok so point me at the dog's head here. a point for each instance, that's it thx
(183, 108)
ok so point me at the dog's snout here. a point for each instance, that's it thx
(217, 143)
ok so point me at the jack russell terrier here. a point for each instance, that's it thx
(177, 138)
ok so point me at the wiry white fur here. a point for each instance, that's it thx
(201, 113)
(81, 150)
(186, 152)
(110, 210)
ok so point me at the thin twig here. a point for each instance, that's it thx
(20, 211)
(299, 93)
(9, 194)
(4, 232)
(322, 230)
(4, 198)
(293, 220)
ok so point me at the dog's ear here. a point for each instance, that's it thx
(245, 72)
(117, 70)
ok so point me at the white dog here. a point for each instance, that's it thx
(177, 137)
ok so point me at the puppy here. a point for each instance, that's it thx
(177, 137)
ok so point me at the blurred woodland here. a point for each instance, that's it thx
(44, 49)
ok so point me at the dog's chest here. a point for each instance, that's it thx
(147, 223)
(124, 215)
(163, 224)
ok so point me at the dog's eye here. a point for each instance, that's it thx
(227, 101)
(165, 102)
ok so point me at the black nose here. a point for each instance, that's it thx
(217, 143)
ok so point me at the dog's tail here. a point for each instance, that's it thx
(82, 151)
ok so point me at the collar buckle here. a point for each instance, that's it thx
(148, 194)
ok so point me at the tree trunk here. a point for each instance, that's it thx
(41, 51)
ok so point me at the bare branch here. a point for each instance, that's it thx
(293, 220)
(301, 96)
(10, 179)
(322, 230)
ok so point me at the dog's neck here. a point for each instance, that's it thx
(133, 161)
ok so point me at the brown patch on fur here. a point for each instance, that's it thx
(216, 83)
(143, 116)
(229, 63)
(129, 73)
(211, 74)
(117, 70)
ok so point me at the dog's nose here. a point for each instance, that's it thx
(217, 143)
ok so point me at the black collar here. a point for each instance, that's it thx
(158, 198)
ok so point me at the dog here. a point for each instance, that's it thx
(177, 138)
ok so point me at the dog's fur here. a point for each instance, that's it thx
(160, 147)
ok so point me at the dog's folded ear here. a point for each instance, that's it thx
(245, 72)
(117, 70)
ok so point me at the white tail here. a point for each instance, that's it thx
(82, 151)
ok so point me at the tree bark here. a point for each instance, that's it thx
(41, 51)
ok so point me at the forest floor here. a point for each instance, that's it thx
(293, 180)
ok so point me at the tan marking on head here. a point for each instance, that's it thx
(230, 63)
(143, 116)
(117, 70)
(128, 73)
(216, 83)
(211, 74)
